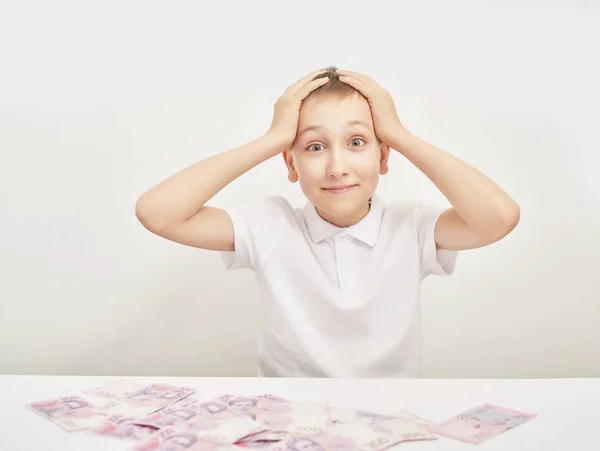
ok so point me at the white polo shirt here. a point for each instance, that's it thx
(338, 302)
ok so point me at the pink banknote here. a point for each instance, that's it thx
(267, 409)
(213, 420)
(281, 415)
(412, 416)
(72, 413)
(133, 399)
(119, 426)
(341, 415)
(306, 418)
(152, 398)
(119, 389)
(402, 429)
(175, 439)
(360, 436)
(482, 423)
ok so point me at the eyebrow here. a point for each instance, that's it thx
(318, 127)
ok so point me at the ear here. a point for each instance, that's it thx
(289, 162)
(383, 161)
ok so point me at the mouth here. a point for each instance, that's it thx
(339, 189)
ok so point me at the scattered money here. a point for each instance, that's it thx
(167, 417)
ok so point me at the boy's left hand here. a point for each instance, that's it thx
(385, 118)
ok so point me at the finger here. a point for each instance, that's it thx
(302, 81)
(350, 73)
(305, 90)
(358, 75)
(358, 84)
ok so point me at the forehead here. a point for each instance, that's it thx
(332, 111)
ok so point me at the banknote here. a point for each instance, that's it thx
(308, 418)
(403, 429)
(133, 399)
(281, 415)
(72, 413)
(359, 436)
(213, 420)
(481, 423)
(412, 416)
(341, 415)
(185, 401)
(152, 398)
(175, 439)
(119, 426)
(118, 389)
(267, 409)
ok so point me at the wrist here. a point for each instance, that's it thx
(400, 138)
(277, 143)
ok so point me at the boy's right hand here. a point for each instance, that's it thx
(287, 107)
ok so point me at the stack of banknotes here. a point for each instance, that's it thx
(167, 417)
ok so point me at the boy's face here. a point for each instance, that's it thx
(336, 157)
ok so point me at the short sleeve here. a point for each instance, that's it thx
(441, 262)
(256, 229)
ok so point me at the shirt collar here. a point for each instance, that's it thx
(366, 230)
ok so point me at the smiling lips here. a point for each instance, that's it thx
(339, 189)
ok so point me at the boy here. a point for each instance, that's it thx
(340, 278)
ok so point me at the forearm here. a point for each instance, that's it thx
(182, 195)
(480, 202)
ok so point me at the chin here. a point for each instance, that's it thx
(341, 207)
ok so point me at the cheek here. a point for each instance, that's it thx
(365, 164)
(309, 169)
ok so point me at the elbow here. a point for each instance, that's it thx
(155, 217)
(141, 210)
(507, 221)
(144, 213)
(512, 216)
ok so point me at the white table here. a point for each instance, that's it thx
(568, 409)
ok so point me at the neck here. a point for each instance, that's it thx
(348, 220)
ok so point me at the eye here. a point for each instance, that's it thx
(355, 140)
(311, 147)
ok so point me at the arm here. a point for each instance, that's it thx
(481, 212)
(175, 209)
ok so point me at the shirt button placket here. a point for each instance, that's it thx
(342, 252)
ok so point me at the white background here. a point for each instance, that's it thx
(99, 101)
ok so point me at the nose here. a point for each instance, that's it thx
(337, 166)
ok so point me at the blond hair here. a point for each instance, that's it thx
(335, 86)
